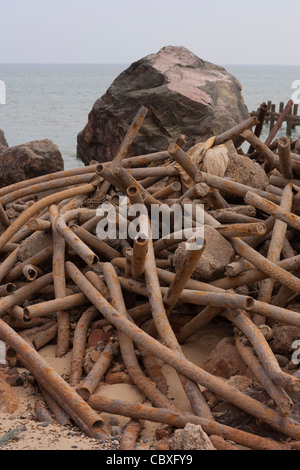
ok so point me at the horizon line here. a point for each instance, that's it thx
(129, 63)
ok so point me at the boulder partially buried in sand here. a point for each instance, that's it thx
(184, 95)
(192, 437)
(26, 161)
(217, 255)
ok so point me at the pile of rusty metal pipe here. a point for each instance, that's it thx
(81, 252)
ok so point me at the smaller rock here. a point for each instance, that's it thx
(114, 421)
(115, 431)
(282, 360)
(245, 171)
(96, 336)
(283, 339)
(28, 161)
(217, 255)
(192, 437)
(225, 361)
(163, 431)
(33, 244)
(8, 399)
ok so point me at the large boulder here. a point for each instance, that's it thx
(28, 161)
(184, 95)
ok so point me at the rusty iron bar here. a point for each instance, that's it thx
(153, 172)
(139, 252)
(75, 242)
(279, 123)
(165, 331)
(143, 160)
(154, 370)
(180, 419)
(50, 379)
(6, 236)
(200, 190)
(131, 434)
(44, 337)
(59, 281)
(90, 383)
(242, 230)
(232, 187)
(109, 178)
(51, 307)
(254, 275)
(8, 264)
(35, 260)
(59, 414)
(100, 247)
(39, 188)
(24, 293)
(46, 178)
(125, 145)
(278, 394)
(167, 190)
(181, 364)
(236, 131)
(274, 252)
(126, 344)
(39, 224)
(270, 208)
(259, 127)
(182, 276)
(263, 350)
(31, 272)
(4, 220)
(79, 343)
(284, 153)
(183, 160)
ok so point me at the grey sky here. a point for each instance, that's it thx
(121, 31)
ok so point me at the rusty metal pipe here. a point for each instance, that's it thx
(35, 260)
(278, 394)
(272, 209)
(126, 344)
(167, 190)
(50, 379)
(40, 205)
(75, 242)
(24, 293)
(180, 419)
(181, 364)
(255, 275)
(131, 434)
(274, 252)
(263, 350)
(242, 230)
(284, 153)
(79, 343)
(8, 264)
(38, 224)
(40, 187)
(94, 377)
(100, 247)
(125, 145)
(51, 307)
(31, 272)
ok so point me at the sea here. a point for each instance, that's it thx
(53, 100)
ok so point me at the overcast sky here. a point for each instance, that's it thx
(122, 31)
